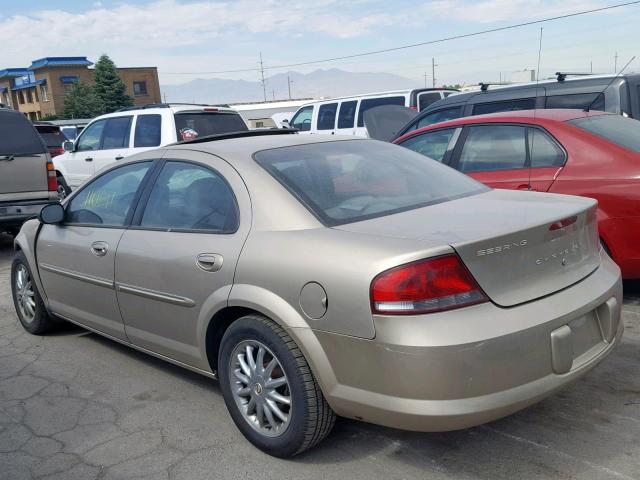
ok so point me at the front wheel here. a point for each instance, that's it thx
(269, 389)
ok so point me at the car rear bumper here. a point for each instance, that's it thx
(466, 367)
(19, 212)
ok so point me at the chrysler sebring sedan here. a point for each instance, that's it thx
(318, 276)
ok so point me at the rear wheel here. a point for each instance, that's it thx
(63, 188)
(269, 389)
(29, 306)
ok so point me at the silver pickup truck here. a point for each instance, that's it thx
(27, 177)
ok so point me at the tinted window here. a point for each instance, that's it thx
(52, 136)
(439, 116)
(543, 151)
(302, 119)
(426, 99)
(506, 106)
(148, 129)
(327, 116)
(108, 199)
(116, 133)
(90, 138)
(432, 144)
(579, 100)
(194, 125)
(615, 128)
(191, 197)
(342, 182)
(18, 135)
(347, 114)
(368, 103)
(493, 147)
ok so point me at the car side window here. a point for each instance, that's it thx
(369, 103)
(543, 151)
(91, 136)
(577, 100)
(439, 116)
(347, 115)
(116, 133)
(426, 99)
(504, 106)
(432, 144)
(148, 130)
(302, 119)
(186, 196)
(493, 147)
(327, 116)
(108, 199)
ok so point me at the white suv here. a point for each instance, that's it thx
(114, 136)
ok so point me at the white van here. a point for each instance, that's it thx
(344, 115)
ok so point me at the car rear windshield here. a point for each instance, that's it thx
(615, 128)
(17, 135)
(52, 136)
(348, 181)
(200, 124)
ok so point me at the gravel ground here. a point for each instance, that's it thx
(74, 405)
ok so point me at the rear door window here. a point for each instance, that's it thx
(190, 125)
(91, 136)
(148, 131)
(347, 115)
(578, 100)
(493, 147)
(17, 135)
(426, 99)
(302, 119)
(506, 106)
(368, 103)
(543, 151)
(116, 133)
(327, 116)
(615, 128)
(433, 144)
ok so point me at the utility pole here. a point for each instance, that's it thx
(425, 79)
(273, 93)
(289, 82)
(500, 78)
(433, 71)
(615, 63)
(264, 85)
(591, 63)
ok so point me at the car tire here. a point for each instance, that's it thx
(63, 187)
(309, 416)
(28, 303)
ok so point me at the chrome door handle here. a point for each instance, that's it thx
(88, 159)
(99, 249)
(209, 262)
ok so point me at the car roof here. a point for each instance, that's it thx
(378, 94)
(167, 107)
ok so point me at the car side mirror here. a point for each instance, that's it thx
(67, 145)
(51, 214)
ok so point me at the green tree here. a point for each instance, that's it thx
(109, 86)
(50, 116)
(81, 101)
(457, 86)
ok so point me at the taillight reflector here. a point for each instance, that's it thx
(52, 180)
(426, 286)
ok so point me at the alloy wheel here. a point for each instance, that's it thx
(25, 293)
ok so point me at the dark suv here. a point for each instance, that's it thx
(27, 177)
(622, 96)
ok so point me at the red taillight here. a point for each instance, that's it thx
(565, 222)
(210, 110)
(52, 180)
(55, 151)
(413, 107)
(426, 286)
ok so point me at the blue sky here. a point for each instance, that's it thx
(184, 38)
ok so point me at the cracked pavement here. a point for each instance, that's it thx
(74, 405)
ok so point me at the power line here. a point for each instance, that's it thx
(413, 45)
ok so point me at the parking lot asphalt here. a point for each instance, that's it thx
(74, 405)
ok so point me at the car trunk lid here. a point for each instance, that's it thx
(519, 246)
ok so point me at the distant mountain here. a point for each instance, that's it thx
(319, 83)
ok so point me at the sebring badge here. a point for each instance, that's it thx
(501, 248)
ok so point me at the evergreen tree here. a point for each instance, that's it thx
(109, 86)
(81, 101)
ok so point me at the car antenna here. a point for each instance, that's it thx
(535, 108)
(609, 84)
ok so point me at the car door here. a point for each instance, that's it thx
(78, 164)
(435, 144)
(347, 117)
(302, 119)
(494, 154)
(546, 157)
(76, 258)
(115, 142)
(175, 265)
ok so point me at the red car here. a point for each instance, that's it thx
(592, 154)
